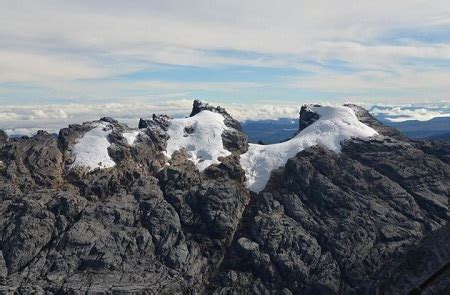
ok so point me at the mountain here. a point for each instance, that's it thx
(270, 131)
(433, 128)
(188, 206)
(444, 136)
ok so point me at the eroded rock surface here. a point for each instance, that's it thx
(371, 219)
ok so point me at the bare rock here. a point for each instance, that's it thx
(233, 139)
(307, 117)
(371, 219)
(3, 138)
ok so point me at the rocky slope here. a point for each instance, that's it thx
(371, 218)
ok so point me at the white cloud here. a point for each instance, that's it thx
(410, 84)
(54, 44)
(180, 33)
(411, 112)
(244, 112)
(222, 86)
(54, 117)
(32, 67)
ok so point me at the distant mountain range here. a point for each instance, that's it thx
(445, 136)
(437, 128)
(270, 131)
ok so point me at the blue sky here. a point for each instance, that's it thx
(251, 52)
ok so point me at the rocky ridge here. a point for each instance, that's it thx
(326, 223)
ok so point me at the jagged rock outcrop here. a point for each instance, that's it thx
(425, 268)
(233, 138)
(365, 117)
(307, 117)
(139, 225)
(3, 138)
(157, 121)
(365, 220)
(30, 163)
(334, 220)
(327, 222)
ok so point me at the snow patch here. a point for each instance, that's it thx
(91, 150)
(334, 125)
(200, 136)
(131, 136)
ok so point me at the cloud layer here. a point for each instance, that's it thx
(419, 112)
(19, 119)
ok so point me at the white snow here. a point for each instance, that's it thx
(334, 125)
(131, 136)
(204, 145)
(91, 150)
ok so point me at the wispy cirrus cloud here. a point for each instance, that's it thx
(33, 67)
(89, 51)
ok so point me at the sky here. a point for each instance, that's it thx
(71, 60)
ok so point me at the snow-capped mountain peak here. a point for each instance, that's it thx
(200, 136)
(210, 133)
(333, 125)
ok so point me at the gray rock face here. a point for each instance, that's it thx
(307, 117)
(140, 226)
(329, 223)
(30, 163)
(424, 269)
(371, 219)
(229, 121)
(157, 121)
(3, 138)
(364, 116)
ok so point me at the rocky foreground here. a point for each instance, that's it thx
(370, 219)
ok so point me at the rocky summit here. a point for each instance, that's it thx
(188, 206)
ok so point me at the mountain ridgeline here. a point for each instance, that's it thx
(188, 206)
